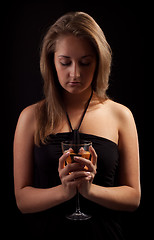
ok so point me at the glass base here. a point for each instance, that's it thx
(78, 216)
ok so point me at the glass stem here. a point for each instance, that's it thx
(77, 202)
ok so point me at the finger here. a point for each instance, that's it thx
(94, 155)
(74, 176)
(71, 150)
(72, 167)
(79, 174)
(78, 181)
(85, 162)
(62, 160)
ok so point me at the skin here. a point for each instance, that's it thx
(75, 64)
(109, 120)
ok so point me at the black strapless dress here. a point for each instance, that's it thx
(52, 224)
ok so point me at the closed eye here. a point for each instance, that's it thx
(81, 63)
(84, 64)
(65, 64)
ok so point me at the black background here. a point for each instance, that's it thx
(23, 27)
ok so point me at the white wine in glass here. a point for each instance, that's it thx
(82, 150)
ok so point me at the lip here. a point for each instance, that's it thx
(74, 83)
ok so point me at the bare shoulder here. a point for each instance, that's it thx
(125, 121)
(123, 116)
(27, 120)
(121, 112)
(28, 114)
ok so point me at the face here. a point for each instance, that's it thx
(75, 63)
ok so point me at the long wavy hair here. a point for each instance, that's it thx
(49, 112)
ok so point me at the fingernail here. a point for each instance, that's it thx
(89, 177)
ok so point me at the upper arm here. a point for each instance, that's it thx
(129, 150)
(23, 148)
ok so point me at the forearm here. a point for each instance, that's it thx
(123, 198)
(30, 199)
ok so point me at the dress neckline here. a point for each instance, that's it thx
(87, 134)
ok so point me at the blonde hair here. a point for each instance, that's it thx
(50, 110)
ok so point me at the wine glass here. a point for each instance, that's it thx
(82, 150)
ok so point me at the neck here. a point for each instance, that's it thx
(76, 101)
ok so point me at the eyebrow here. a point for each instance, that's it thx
(63, 56)
(70, 57)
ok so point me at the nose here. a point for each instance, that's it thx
(75, 71)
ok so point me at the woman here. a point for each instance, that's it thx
(75, 65)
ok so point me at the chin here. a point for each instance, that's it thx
(74, 90)
(77, 90)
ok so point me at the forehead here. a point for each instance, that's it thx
(75, 47)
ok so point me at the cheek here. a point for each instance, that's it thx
(60, 73)
(89, 73)
(61, 78)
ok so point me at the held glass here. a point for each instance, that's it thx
(81, 150)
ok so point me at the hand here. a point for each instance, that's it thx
(71, 175)
(91, 166)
